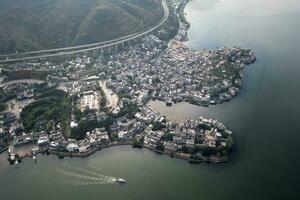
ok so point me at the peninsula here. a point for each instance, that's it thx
(77, 104)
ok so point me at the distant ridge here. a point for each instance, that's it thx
(42, 24)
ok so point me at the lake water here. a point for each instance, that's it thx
(265, 119)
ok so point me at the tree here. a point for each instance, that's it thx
(229, 143)
(160, 146)
(83, 127)
(3, 107)
(114, 137)
(208, 151)
(137, 143)
(167, 136)
(77, 114)
(158, 126)
(113, 77)
(185, 149)
(103, 101)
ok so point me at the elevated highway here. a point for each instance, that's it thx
(7, 58)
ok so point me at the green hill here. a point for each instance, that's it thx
(27, 25)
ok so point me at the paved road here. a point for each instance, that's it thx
(88, 47)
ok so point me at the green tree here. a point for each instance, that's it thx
(158, 126)
(160, 146)
(208, 151)
(3, 107)
(167, 136)
(137, 143)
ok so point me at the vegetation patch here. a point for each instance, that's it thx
(25, 74)
(52, 107)
(35, 24)
(3, 107)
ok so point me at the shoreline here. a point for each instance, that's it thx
(182, 156)
(179, 39)
(184, 26)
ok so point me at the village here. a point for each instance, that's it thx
(102, 101)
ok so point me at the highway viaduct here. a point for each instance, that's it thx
(105, 46)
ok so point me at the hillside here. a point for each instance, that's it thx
(43, 24)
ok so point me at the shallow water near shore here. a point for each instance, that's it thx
(264, 118)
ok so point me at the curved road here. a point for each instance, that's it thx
(88, 47)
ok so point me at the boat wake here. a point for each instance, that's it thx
(81, 177)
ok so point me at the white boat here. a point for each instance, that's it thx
(16, 164)
(120, 180)
(34, 159)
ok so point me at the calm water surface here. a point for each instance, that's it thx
(265, 119)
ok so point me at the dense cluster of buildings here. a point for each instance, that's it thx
(150, 69)
(147, 70)
(178, 73)
(190, 136)
(56, 142)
